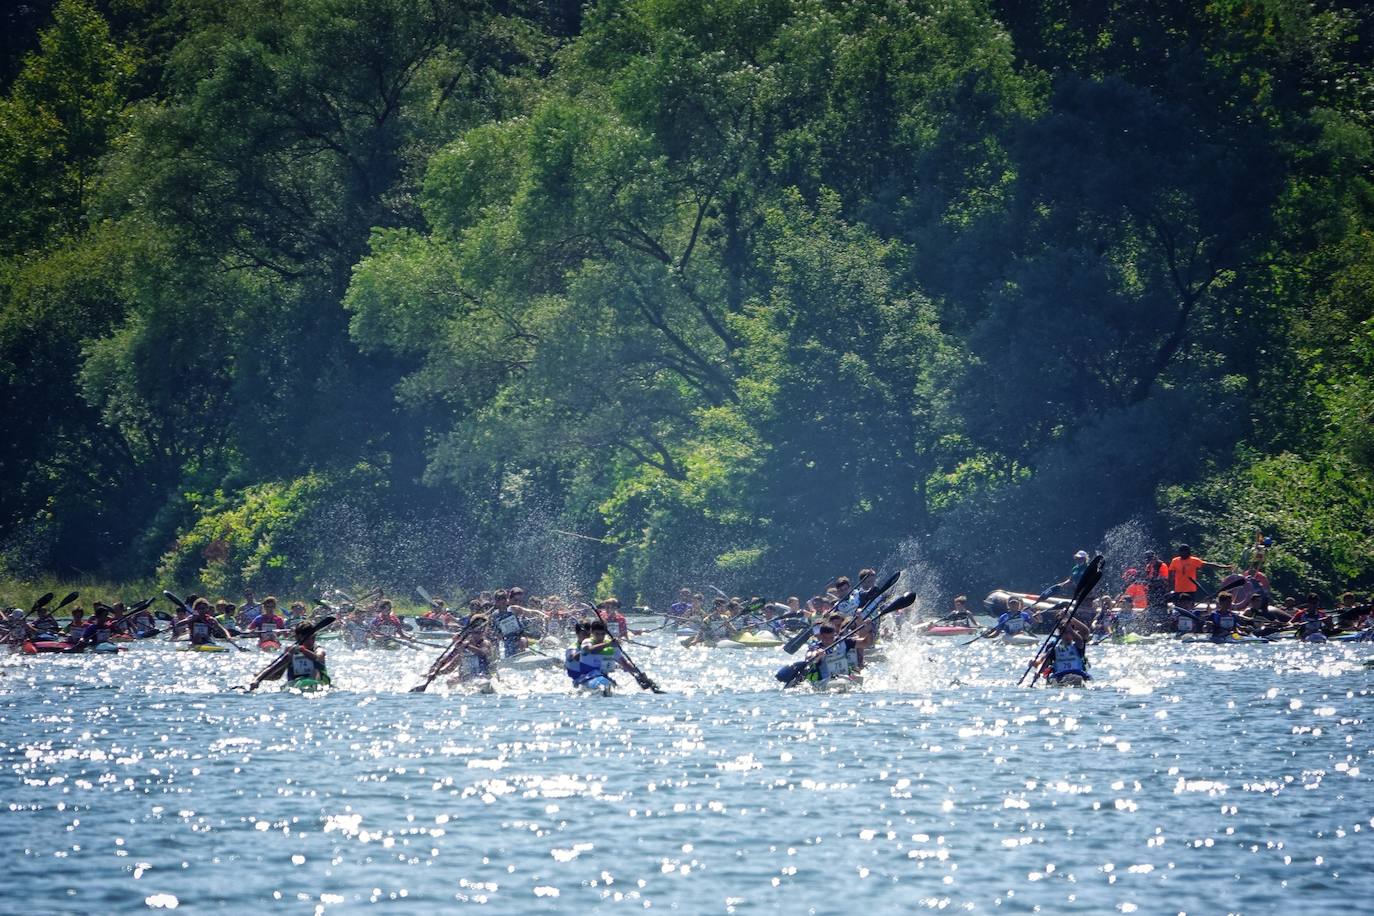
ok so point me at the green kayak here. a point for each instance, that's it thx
(308, 684)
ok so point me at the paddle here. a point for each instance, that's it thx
(439, 662)
(278, 664)
(800, 638)
(802, 669)
(645, 682)
(1091, 576)
(41, 603)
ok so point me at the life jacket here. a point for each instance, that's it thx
(1311, 625)
(1016, 623)
(835, 662)
(301, 665)
(507, 623)
(1223, 624)
(1067, 660)
(1184, 623)
(200, 631)
(599, 661)
(98, 633)
(716, 628)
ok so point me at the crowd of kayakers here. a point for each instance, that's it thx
(839, 627)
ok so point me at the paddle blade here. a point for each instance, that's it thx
(175, 600)
(798, 640)
(419, 688)
(904, 600)
(866, 597)
(71, 596)
(41, 602)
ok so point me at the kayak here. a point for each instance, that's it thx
(1134, 639)
(950, 631)
(309, 684)
(207, 647)
(1066, 680)
(269, 645)
(41, 646)
(523, 661)
(1225, 642)
(841, 684)
(751, 641)
(105, 647)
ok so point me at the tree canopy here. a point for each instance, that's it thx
(645, 292)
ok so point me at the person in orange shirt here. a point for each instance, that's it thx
(1183, 570)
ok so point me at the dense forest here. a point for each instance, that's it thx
(642, 292)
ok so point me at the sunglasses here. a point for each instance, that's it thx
(827, 629)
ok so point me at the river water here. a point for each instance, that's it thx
(1192, 779)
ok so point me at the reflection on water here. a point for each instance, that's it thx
(1187, 779)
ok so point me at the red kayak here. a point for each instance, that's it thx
(34, 648)
(268, 645)
(950, 631)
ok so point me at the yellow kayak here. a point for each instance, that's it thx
(208, 647)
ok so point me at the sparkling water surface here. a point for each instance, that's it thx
(1188, 778)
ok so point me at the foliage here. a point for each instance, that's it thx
(650, 292)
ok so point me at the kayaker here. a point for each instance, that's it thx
(682, 607)
(505, 620)
(471, 656)
(1222, 623)
(1312, 622)
(1066, 663)
(615, 620)
(1184, 621)
(77, 623)
(44, 627)
(829, 656)
(202, 626)
(142, 624)
(961, 616)
(304, 660)
(386, 623)
(599, 656)
(267, 623)
(301, 661)
(224, 615)
(1016, 620)
(96, 632)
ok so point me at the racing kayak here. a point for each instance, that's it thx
(207, 647)
(1226, 642)
(309, 684)
(950, 631)
(526, 660)
(750, 641)
(269, 645)
(42, 646)
(1134, 639)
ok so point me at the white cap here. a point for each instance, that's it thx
(1081, 555)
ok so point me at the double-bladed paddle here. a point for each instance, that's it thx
(865, 599)
(277, 666)
(454, 645)
(802, 669)
(181, 605)
(1091, 576)
(643, 680)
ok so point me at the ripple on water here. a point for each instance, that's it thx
(1197, 778)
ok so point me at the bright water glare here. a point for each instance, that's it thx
(1188, 778)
